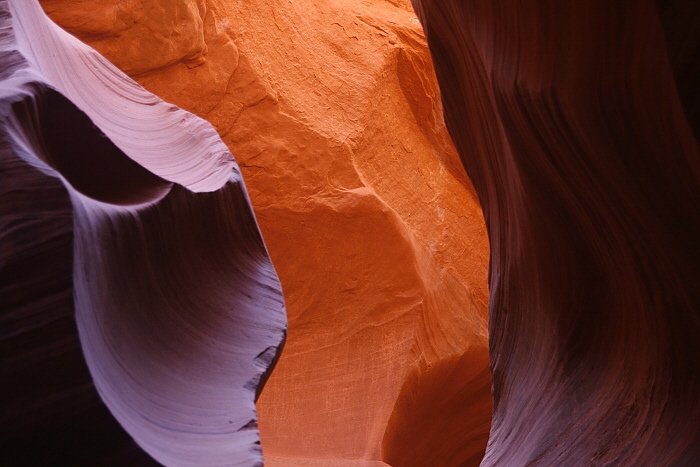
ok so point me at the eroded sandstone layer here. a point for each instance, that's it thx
(333, 113)
(129, 214)
(568, 120)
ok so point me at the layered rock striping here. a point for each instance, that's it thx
(128, 217)
(575, 121)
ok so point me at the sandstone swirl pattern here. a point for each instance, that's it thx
(131, 214)
(568, 120)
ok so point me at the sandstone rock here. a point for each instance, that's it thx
(333, 112)
(569, 123)
(179, 311)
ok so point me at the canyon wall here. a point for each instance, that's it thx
(577, 124)
(575, 121)
(332, 111)
(126, 228)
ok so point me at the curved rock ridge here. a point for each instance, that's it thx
(130, 215)
(170, 143)
(333, 112)
(568, 121)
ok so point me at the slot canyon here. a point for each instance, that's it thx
(352, 233)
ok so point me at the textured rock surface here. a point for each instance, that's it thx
(131, 215)
(569, 123)
(332, 110)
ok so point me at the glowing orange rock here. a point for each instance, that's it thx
(333, 113)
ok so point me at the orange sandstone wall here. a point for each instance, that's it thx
(332, 111)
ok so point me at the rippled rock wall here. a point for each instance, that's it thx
(575, 122)
(126, 216)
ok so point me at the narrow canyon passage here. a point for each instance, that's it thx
(421, 201)
(332, 112)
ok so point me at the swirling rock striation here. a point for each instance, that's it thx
(569, 123)
(131, 215)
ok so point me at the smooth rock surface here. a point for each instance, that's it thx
(572, 120)
(131, 214)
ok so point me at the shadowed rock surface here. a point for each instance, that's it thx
(572, 120)
(125, 228)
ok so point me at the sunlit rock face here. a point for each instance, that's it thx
(572, 120)
(126, 216)
(333, 113)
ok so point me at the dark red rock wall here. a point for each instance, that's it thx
(680, 20)
(568, 119)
